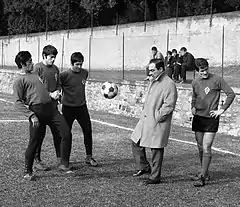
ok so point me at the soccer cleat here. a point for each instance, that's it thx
(198, 177)
(39, 166)
(200, 182)
(65, 169)
(29, 177)
(91, 162)
(141, 172)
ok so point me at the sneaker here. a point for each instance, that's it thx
(65, 169)
(29, 177)
(39, 166)
(90, 161)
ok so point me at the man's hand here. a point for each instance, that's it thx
(194, 111)
(55, 95)
(35, 121)
(216, 113)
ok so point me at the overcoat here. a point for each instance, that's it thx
(154, 125)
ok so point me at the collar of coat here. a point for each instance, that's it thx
(159, 77)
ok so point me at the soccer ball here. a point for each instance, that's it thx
(109, 90)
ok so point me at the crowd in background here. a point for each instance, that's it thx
(176, 64)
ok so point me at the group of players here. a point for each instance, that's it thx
(37, 91)
(38, 88)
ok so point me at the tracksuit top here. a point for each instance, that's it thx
(29, 90)
(206, 94)
(73, 86)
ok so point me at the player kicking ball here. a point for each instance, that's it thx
(32, 99)
(205, 102)
(74, 105)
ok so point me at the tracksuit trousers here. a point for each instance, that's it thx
(47, 115)
(82, 116)
(139, 155)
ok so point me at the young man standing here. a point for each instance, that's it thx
(74, 105)
(154, 126)
(32, 99)
(205, 102)
(49, 74)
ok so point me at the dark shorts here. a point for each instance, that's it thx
(205, 124)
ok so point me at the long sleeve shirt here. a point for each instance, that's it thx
(49, 76)
(206, 94)
(29, 90)
(73, 86)
(158, 55)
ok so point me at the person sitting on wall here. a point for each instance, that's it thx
(188, 63)
(155, 54)
(176, 62)
(169, 64)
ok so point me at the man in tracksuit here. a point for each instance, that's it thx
(74, 101)
(49, 74)
(33, 100)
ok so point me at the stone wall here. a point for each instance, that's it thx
(105, 48)
(130, 100)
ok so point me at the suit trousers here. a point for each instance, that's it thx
(139, 155)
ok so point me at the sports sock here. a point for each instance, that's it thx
(205, 163)
(200, 151)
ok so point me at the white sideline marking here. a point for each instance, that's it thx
(124, 128)
(177, 140)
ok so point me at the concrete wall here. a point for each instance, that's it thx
(107, 48)
(130, 100)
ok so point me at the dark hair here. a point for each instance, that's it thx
(201, 63)
(76, 57)
(49, 50)
(158, 63)
(22, 57)
(174, 51)
(183, 49)
(154, 48)
(169, 52)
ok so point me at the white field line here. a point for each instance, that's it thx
(124, 128)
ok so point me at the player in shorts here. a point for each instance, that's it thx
(205, 102)
(33, 100)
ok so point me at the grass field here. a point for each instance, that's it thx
(112, 184)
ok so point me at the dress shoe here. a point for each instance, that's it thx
(151, 182)
(141, 172)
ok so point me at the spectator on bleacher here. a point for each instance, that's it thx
(188, 63)
(177, 62)
(169, 64)
(155, 54)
